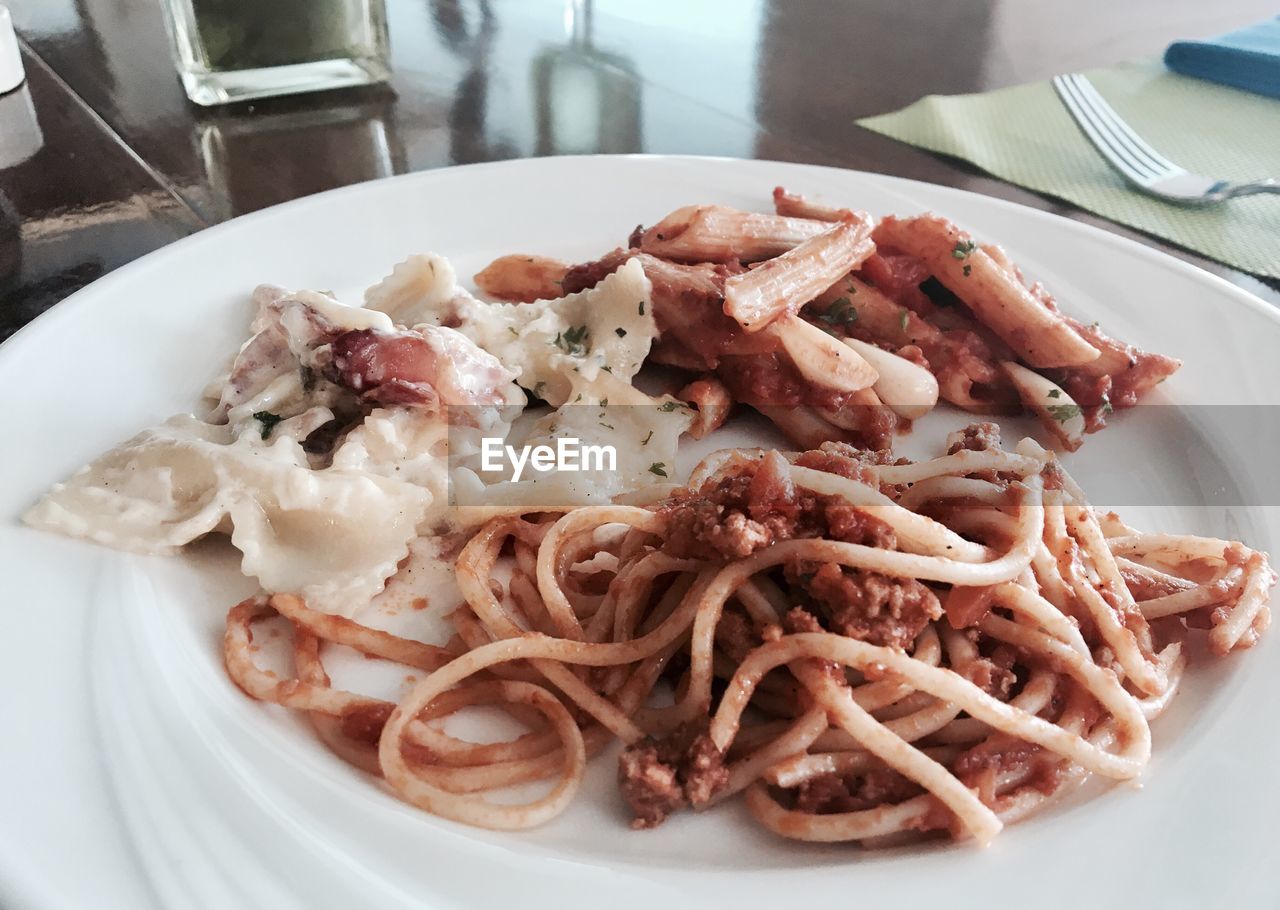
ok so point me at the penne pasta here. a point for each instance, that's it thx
(821, 358)
(717, 233)
(1040, 335)
(786, 283)
(906, 387)
(1057, 411)
(522, 279)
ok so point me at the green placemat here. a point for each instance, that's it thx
(1024, 135)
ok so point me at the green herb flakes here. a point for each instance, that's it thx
(268, 421)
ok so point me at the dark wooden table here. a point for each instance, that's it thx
(128, 165)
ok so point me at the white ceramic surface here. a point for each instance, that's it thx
(133, 774)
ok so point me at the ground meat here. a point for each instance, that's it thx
(852, 462)
(976, 437)
(840, 463)
(704, 772)
(737, 515)
(980, 767)
(658, 777)
(844, 522)
(994, 675)
(831, 793)
(868, 606)
(735, 636)
(798, 620)
(649, 785)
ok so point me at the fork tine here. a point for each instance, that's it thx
(1119, 127)
(1118, 157)
(1118, 123)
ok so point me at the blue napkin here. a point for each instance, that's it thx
(1247, 59)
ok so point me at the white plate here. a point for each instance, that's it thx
(133, 774)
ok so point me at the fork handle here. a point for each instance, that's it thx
(1270, 185)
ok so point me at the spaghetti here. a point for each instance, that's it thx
(866, 651)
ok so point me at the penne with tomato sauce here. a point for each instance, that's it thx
(1121, 374)
(964, 362)
(522, 279)
(793, 364)
(786, 283)
(1117, 379)
(717, 233)
(1038, 334)
(821, 358)
(863, 326)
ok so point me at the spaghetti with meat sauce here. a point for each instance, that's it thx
(865, 649)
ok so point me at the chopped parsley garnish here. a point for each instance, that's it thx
(841, 312)
(606, 425)
(308, 379)
(573, 340)
(512, 330)
(963, 248)
(659, 468)
(902, 320)
(607, 368)
(1055, 393)
(645, 441)
(620, 332)
(968, 270)
(604, 402)
(1106, 407)
(669, 406)
(1063, 412)
(268, 421)
(641, 307)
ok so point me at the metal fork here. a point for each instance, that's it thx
(1138, 162)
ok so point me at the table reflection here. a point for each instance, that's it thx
(585, 99)
(20, 135)
(302, 151)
